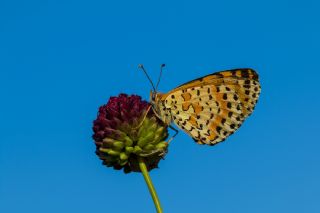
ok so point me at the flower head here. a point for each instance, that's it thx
(126, 129)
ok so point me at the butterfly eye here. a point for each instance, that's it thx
(153, 96)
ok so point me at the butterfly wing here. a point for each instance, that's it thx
(213, 107)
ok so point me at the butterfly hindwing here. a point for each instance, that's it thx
(211, 108)
(208, 118)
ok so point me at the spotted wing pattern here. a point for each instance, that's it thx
(213, 107)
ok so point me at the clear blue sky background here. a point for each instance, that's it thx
(61, 60)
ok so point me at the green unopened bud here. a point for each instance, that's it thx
(108, 142)
(118, 145)
(162, 145)
(153, 127)
(129, 149)
(144, 140)
(123, 156)
(148, 147)
(104, 150)
(157, 138)
(160, 130)
(143, 128)
(137, 149)
(113, 153)
(128, 141)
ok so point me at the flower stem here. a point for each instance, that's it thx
(147, 178)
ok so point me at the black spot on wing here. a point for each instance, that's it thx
(245, 73)
(225, 97)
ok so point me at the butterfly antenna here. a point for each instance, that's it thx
(145, 72)
(161, 68)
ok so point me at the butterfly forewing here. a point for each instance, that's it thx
(211, 108)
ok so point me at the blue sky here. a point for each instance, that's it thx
(61, 60)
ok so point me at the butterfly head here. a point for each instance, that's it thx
(159, 108)
(153, 95)
(155, 100)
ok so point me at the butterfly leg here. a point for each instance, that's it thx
(175, 134)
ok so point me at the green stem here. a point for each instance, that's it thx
(147, 178)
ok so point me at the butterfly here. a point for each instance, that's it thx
(210, 108)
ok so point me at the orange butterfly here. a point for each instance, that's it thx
(209, 108)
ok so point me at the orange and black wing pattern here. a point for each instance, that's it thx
(213, 107)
